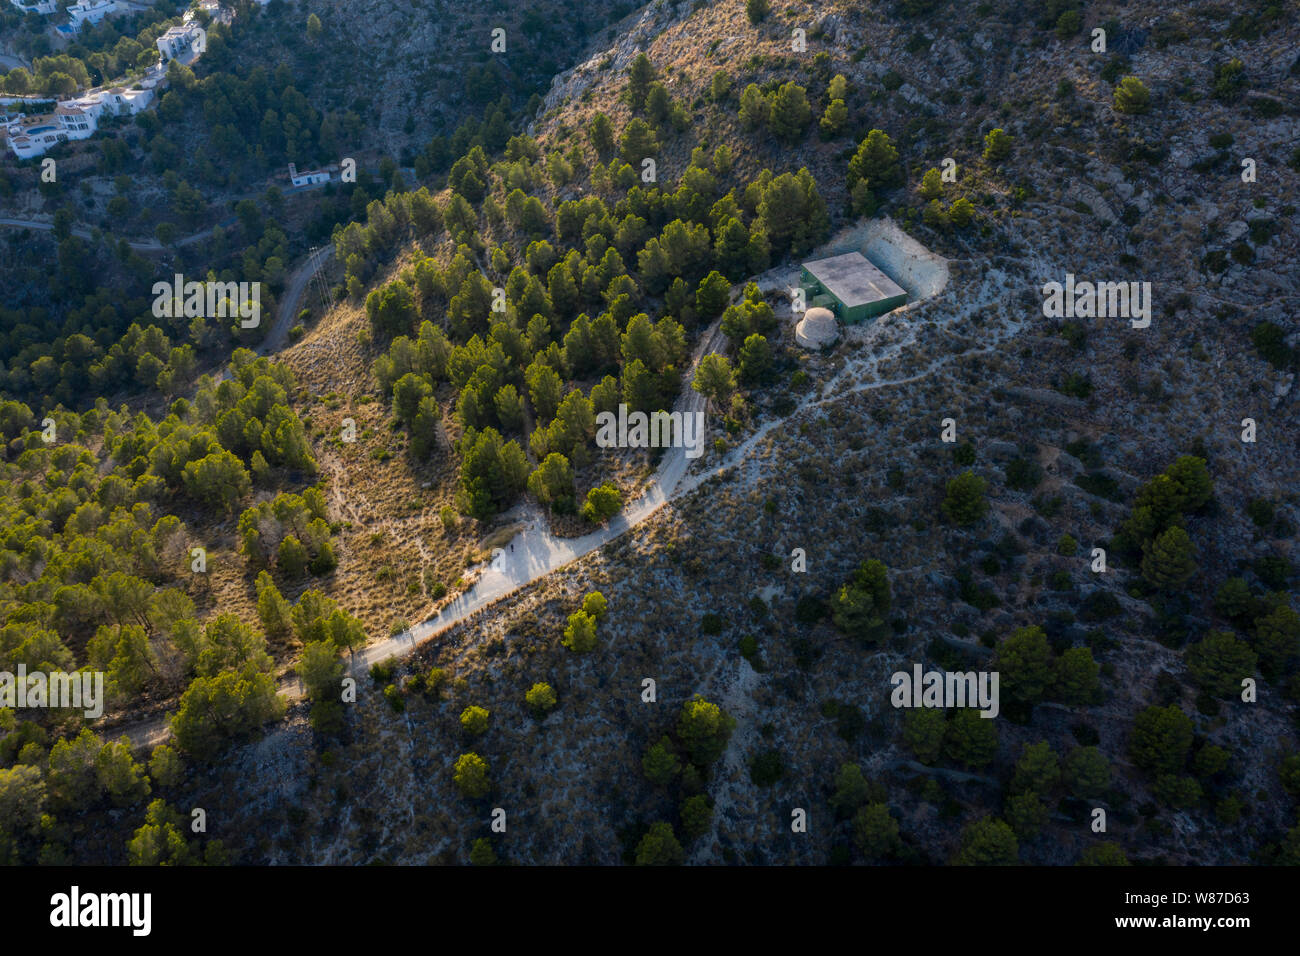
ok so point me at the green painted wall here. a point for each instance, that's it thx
(872, 309)
(817, 294)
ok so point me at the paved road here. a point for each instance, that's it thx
(291, 300)
(293, 293)
(150, 245)
(139, 245)
(154, 246)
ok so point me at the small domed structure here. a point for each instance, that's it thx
(817, 328)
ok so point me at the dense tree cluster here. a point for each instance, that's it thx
(290, 533)
(784, 112)
(101, 53)
(97, 574)
(536, 346)
(680, 762)
(1031, 671)
(96, 319)
(1155, 528)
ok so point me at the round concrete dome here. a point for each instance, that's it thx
(817, 329)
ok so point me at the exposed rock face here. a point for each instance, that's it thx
(817, 329)
(654, 20)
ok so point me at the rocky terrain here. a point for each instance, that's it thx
(858, 470)
(726, 591)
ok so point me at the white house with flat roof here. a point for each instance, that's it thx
(31, 136)
(72, 119)
(181, 43)
(43, 7)
(91, 104)
(78, 118)
(125, 102)
(309, 178)
(92, 11)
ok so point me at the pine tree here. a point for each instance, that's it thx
(789, 113)
(961, 212)
(1026, 814)
(1132, 96)
(603, 502)
(1086, 772)
(482, 854)
(470, 775)
(660, 764)
(931, 185)
(731, 249)
(875, 832)
(272, 608)
(833, 119)
(753, 107)
(474, 720)
(997, 145)
(1161, 739)
(859, 607)
(1025, 662)
(875, 162)
(1277, 639)
(1077, 681)
(755, 360)
(1218, 662)
(714, 378)
(987, 842)
(1037, 769)
(639, 77)
(964, 502)
(540, 698)
(600, 131)
(1169, 561)
(552, 481)
(659, 847)
(704, 728)
(971, 739)
(580, 632)
(923, 732)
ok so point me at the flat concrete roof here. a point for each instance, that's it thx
(853, 279)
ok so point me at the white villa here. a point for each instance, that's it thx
(32, 135)
(92, 11)
(78, 118)
(72, 119)
(122, 101)
(43, 7)
(213, 9)
(178, 43)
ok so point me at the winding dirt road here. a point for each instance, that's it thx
(535, 552)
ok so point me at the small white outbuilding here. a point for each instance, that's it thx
(817, 329)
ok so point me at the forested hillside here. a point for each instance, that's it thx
(1100, 511)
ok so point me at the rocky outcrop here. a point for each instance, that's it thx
(652, 21)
